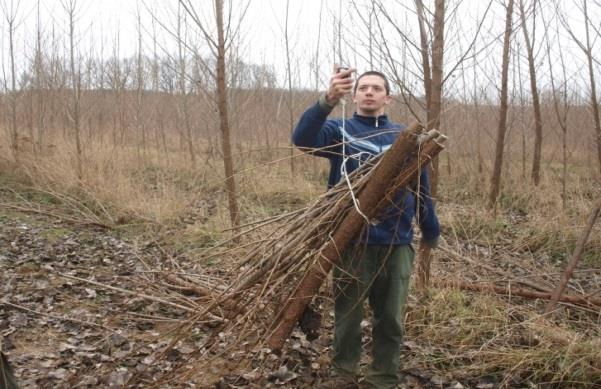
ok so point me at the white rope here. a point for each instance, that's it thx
(345, 158)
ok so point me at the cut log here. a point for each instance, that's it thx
(393, 164)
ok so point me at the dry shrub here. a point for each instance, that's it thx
(467, 335)
(268, 188)
(118, 184)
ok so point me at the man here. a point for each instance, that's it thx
(379, 264)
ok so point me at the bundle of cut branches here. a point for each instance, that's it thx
(259, 302)
(279, 275)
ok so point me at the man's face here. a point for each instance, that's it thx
(370, 96)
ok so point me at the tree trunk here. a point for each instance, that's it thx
(76, 85)
(433, 85)
(591, 72)
(436, 85)
(562, 116)
(423, 35)
(140, 128)
(538, 121)
(501, 129)
(228, 163)
(14, 133)
(289, 77)
(38, 71)
(188, 135)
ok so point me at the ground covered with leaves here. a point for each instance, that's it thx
(87, 306)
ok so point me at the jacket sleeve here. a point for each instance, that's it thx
(315, 134)
(427, 219)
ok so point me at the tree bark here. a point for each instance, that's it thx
(501, 129)
(185, 101)
(436, 84)
(588, 51)
(14, 132)
(538, 121)
(434, 111)
(140, 128)
(38, 74)
(423, 39)
(228, 163)
(76, 85)
(591, 72)
(289, 80)
(561, 115)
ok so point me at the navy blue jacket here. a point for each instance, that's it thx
(365, 137)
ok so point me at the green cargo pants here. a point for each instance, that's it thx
(381, 273)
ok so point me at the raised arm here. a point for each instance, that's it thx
(313, 130)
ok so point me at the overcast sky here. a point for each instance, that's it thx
(102, 23)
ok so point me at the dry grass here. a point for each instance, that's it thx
(458, 333)
(123, 184)
(465, 335)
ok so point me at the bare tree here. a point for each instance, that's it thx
(476, 98)
(220, 48)
(158, 107)
(117, 80)
(38, 64)
(501, 129)
(425, 57)
(182, 81)
(10, 12)
(587, 49)
(433, 80)
(289, 79)
(561, 106)
(70, 7)
(430, 57)
(522, 106)
(223, 117)
(316, 63)
(538, 121)
(437, 80)
(140, 126)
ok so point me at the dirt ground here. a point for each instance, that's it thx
(62, 332)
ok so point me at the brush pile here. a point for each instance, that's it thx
(274, 282)
(253, 307)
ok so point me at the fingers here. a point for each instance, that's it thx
(341, 83)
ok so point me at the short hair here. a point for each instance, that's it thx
(373, 73)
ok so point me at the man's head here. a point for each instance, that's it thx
(371, 93)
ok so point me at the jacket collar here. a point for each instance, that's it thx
(372, 121)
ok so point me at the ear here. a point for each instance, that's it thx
(388, 99)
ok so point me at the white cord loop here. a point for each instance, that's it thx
(345, 158)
